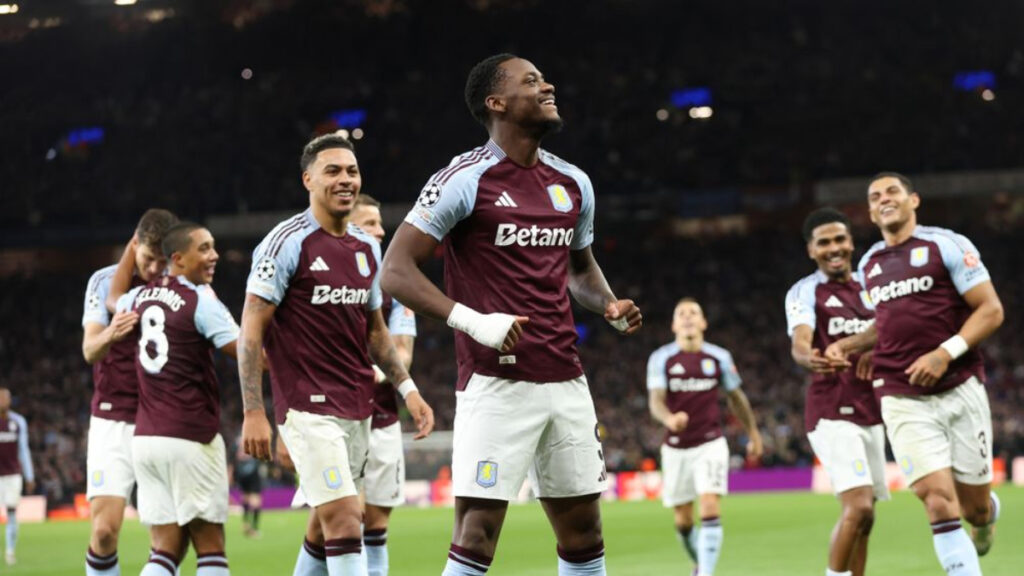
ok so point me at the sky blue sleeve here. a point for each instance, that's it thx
(583, 235)
(24, 456)
(274, 264)
(213, 319)
(95, 309)
(656, 370)
(402, 321)
(962, 260)
(441, 206)
(864, 280)
(800, 305)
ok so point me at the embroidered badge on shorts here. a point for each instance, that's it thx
(907, 465)
(859, 468)
(332, 476)
(97, 478)
(486, 473)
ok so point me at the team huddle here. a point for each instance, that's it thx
(332, 319)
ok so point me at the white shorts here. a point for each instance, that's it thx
(329, 454)
(109, 459)
(506, 429)
(952, 429)
(10, 490)
(689, 472)
(385, 467)
(852, 455)
(180, 480)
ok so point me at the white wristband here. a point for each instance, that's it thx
(487, 329)
(955, 345)
(620, 324)
(407, 387)
(378, 375)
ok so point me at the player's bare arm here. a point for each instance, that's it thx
(383, 351)
(674, 421)
(739, 405)
(121, 282)
(839, 351)
(401, 277)
(805, 355)
(256, 433)
(97, 338)
(985, 318)
(404, 347)
(590, 288)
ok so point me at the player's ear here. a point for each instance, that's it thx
(495, 103)
(915, 200)
(307, 180)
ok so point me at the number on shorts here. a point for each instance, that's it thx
(153, 320)
(983, 448)
(716, 471)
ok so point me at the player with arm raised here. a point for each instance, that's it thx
(934, 304)
(179, 456)
(842, 417)
(115, 399)
(313, 303)
(516, 223)
(683, 379)
(16, 470)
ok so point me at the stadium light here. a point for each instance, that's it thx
(125, 2)
(988, 95)
(701, 112)
(661, 114)
(358, 134)
(8, 8)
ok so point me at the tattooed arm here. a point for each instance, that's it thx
(383, 352)
(256, 432)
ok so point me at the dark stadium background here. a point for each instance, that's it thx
(203, 107)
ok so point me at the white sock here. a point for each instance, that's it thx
(375, 545)
(312, 560)
(96, 565)
(160, 564)
(594, 567)
(709, 545)
(831, 572)
(12, 530)
(463, 562)
(212, 564)
(954, 549)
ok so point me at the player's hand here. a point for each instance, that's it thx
(284, 458)
(928, 369)
(755, 447)
(30, 487)
(122, 325)
(422, 414)
(864, 366)
(677, 422)
(515, 332)
(256, 434)
(624, 316)
(819, 364)
(836, 356)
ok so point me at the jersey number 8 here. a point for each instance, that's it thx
(153, 320)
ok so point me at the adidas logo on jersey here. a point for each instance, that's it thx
(344, 295)
(875, 270)
(319, 265)
(833, 302)
(847, 326)
(901, 288)
(509, 234)
(677, 369)
(505, 200)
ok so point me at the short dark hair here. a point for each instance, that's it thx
(179, 238)
(321, 143)
(903, 179)
(482, 81)
(367, 200)
(153, 225)
(821, 216)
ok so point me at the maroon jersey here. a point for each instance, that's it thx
(915, 288)
(323, 287)
(691, 381)
(833, 310)
(507, 231)
(179, 326)
(116, 389)
(14, 453)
